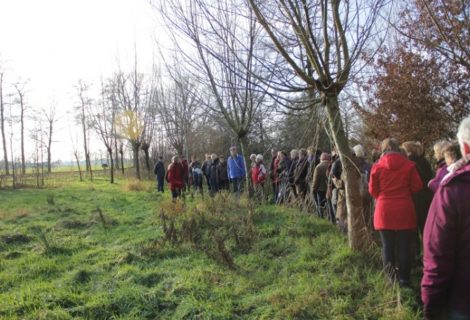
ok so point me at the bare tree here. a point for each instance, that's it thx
(320, 41)
(20, 91)
(50, 117)
(2, 123)
(225, 38)
(177, 106)
(84, 103)
(103, 119)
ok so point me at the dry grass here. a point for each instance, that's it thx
(16, 214)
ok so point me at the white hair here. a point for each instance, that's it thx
(463, 135)
(259, 157)
(359, 151)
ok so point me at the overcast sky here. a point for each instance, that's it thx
(56, 42)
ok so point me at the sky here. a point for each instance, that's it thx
(54, 43)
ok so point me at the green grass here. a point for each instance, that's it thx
(61, 259)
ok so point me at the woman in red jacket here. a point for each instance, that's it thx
(393, 180)
(175, 177)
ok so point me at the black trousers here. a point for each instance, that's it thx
(397, 241)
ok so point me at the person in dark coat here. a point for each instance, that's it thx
(446, 273)
(273, 174)
(206, 165)
(224, 183)
(300, 174)
(196, 174)
(214, 174)
(393, 181)
(185, 165)
(159, 171)
(421, 199)
(331, 191)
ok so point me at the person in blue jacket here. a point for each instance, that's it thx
(236, 170)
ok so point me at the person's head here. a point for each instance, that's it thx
(411, 149)
(259, 158)
(325, 156)
(439, 147)
(302, 154)
(233, 151)
(279, 155)
(390, 145)
(359, 151)
(310, 151)
(160, 158)
(294, 153)
(273, 152)
(334, 152)
(222, 159)
(208, 156)
(419, 148)
(452, 153)
(253, 157)
(175, 159)
(463, 135)
(213, 156)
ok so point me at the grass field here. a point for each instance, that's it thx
(101, 251)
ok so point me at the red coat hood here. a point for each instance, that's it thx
(393, 161)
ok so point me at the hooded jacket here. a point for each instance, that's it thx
(446, 239)
(393, 180)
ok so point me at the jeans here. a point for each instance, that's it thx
(237, 185)
(320, 199)
(160, 182)
(400, 240)
(175, 193)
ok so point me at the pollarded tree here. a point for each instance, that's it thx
(223, 38)
(177, 106)
(320, 42)
(103, 120)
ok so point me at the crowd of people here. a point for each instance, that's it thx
(408, 204)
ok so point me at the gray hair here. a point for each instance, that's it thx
(463, 135)
(359, 151)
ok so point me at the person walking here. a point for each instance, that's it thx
(159, 171)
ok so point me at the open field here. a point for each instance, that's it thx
(100, 251)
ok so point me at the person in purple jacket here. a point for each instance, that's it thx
(445, 287)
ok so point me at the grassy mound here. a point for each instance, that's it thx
(101, 252)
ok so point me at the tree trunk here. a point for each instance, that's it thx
(2, 124)
(121, 152)
(116, 151)
(49, 152)
(23, 160)
(135, 152)
(111, 160)
(357, 232)
(246, 157)
(78, 165)
(145, 148)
